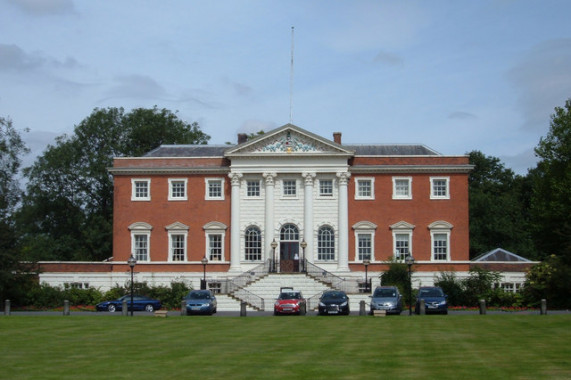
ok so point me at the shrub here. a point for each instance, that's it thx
(397, 275)
(452, 287)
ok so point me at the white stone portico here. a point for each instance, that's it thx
(290, 164)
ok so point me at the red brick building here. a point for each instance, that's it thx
(286, 201)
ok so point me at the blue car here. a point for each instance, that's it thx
(435, 301)
(200, 302)
(139, 303)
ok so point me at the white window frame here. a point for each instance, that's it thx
(184, 197)
(135, 248)
(359, 255)
(358, 181)
(332, 247)
(321, 182)
(215, 228)
(435, 196)
(140, 229)
(402, 228)
(134, 196)
(210, 248)
(246, 247)
(364, 228)
(184, 235)
(208, 182)
(440, 228)
(402, 196)
(290, 196)
(401, 256)
(178, 228)
(259, 184)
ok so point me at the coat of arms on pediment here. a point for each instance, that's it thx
(288, 139)
(288, 142)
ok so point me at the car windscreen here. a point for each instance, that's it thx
(431, 293)
(385, 293)
(289, 296)
(334, 295)
(199, 295)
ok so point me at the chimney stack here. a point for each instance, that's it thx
(242, 138)
(337, 137)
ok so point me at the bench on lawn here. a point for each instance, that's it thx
(161, 313)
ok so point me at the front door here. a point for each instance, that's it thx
(289, 256)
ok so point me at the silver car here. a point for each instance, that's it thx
(386, 298)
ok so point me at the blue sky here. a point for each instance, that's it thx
(453, 75)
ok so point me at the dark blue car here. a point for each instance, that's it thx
(139, 303)
(435, 301)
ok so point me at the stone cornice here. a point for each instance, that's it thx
(401, 169)
(182, 170)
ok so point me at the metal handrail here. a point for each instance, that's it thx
(236, 285)
(336, 282)
(250, 298)
(248, 277)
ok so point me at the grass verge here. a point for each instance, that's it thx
(447, 347)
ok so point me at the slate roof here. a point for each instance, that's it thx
(391, 150)
(360, 150)
(188, 151)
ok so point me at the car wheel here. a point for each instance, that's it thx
(149, 308)
(111, 308)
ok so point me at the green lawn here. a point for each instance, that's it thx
(450, 347)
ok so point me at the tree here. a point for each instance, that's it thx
(12, 148)
(67, 208)
(550, 206)
(499, 204)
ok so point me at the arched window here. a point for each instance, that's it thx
(289, 232)
(253, 244)
(325, 244)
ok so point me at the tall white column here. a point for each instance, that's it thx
(308, 215)
(235, 222)
(343, 215)
(269, 213)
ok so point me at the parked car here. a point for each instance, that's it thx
(200, 302)
(333, 302)
(290, 302)
(435, 301)
(386, 298)
(139, 303)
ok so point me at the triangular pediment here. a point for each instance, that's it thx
(288, 140)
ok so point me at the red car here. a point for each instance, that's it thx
(290, 302)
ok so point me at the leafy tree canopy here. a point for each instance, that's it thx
(67, 209)
(499, 203)
(551, 205)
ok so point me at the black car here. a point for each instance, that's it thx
(333, 302)
(435, 301)
(139, 303)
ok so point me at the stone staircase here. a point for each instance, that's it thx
(268, 287)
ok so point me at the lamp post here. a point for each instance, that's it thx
(204, 261)
(132, 262)
(409, 261)
(366, 263)
(274, 245)
(303, 245)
